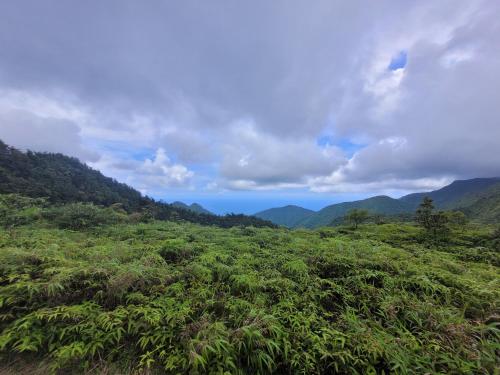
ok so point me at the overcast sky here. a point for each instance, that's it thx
(243, 104)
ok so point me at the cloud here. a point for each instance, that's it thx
(255, 160)
(237, 95)
(164, 171)
(151, 175)
(24, 130)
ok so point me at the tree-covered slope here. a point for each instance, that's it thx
(382, 204)
(457, 194)
(195, 207)
(288, 216)
(62, 179)
(484, 207)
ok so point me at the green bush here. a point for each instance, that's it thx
(78, 216)
(179, 298)
(18, 210)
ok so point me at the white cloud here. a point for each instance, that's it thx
(27, 131)
(243, 106)
(255, 160)
(162, 169)
(151, 175)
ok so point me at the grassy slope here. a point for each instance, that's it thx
(288, 216)
(189, 298)
(380, 205)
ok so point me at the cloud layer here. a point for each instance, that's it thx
(229, 95)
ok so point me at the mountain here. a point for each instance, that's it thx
(381, 204)
(459, 193)
(486, 206)
(195, 207)
(62, 179)
(288, 216)
(478, 198)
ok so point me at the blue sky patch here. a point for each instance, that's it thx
(398, 61)
(345, 144)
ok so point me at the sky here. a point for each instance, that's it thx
(246, 105)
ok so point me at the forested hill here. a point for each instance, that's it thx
(195, 207)
(460, 193)
(478, 198)
(288, 216)
(62, 179)
(381, 204)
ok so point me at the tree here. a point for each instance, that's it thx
(457, 219)
(424, 213)
(357, 216)
(434, 223)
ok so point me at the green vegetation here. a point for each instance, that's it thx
(95, 278)
(86, 288)
(461, 193)
(486, 208)
(195, 207)
(381, 205)
(288, 216)
(356, 217)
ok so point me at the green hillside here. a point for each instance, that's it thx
(477, 198)
(484, 207)
(457, 194)
(288, 216)
(382, 204)
(62, 179)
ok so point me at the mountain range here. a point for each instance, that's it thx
(478, 198)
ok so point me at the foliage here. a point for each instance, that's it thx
(434, 223)
(177, 297)
(18, 210)
(82, 215)
(382, 205)
(357, 216)
(288, 216)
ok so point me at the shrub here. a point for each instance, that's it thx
(18, 210)
(78, 216)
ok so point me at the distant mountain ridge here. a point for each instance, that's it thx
(288, 216)
(458, 193)
(381, 204)
(195, 207)
(479, 198)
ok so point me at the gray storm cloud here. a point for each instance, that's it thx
(179, 79)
